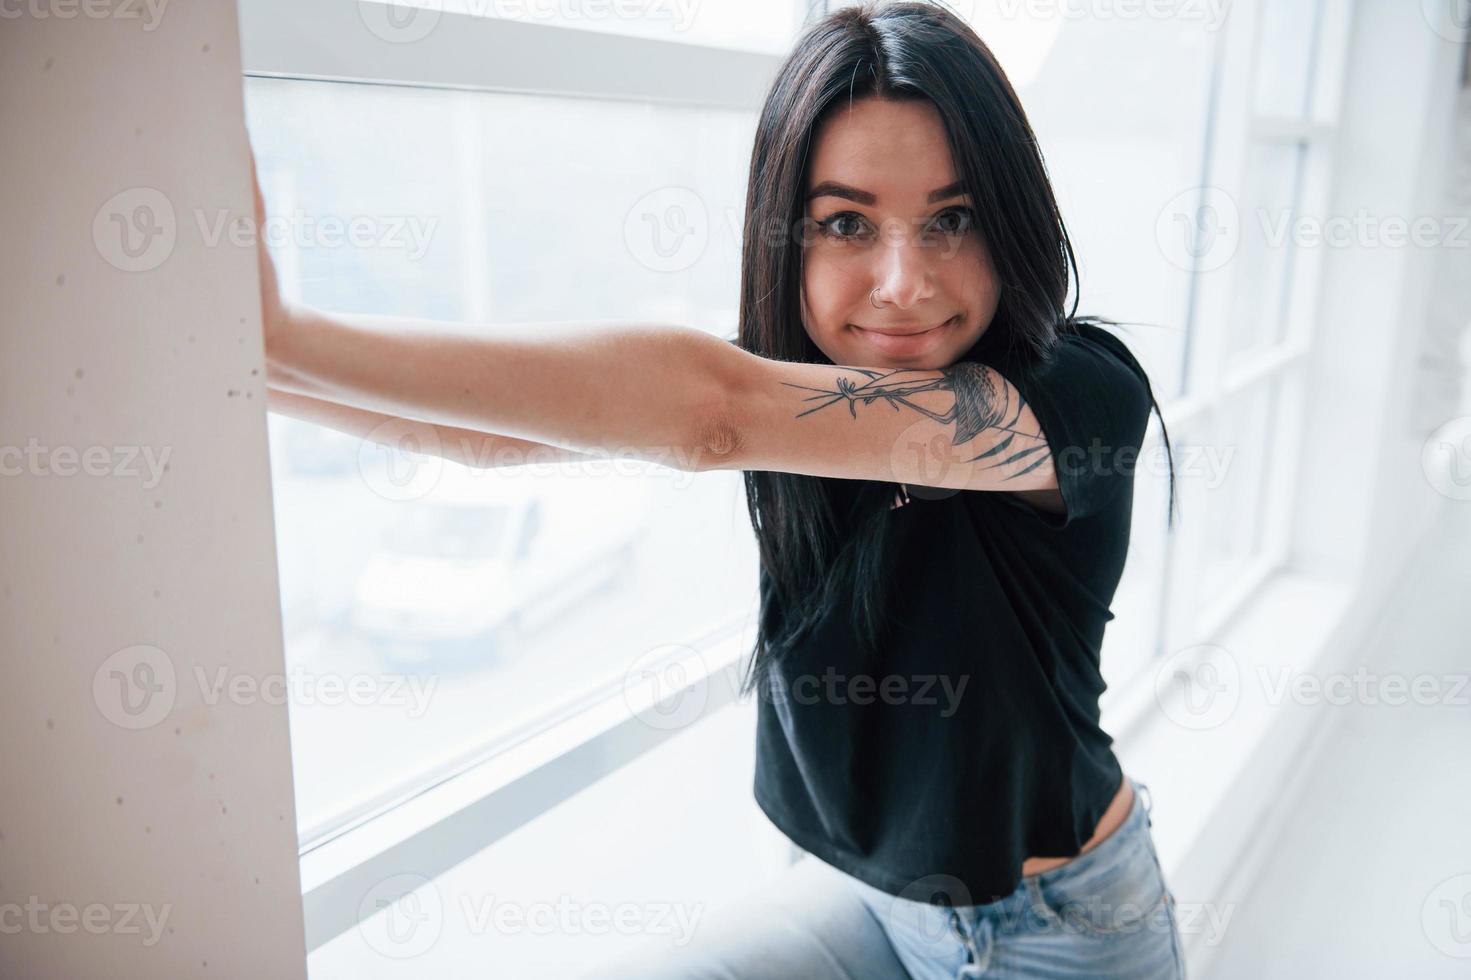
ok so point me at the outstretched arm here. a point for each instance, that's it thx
(481, 450)
(595, 389)
(672, 395)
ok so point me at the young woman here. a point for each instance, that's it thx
(938, 458)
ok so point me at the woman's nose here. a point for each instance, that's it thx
(904, 276)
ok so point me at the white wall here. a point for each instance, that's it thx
(126, 793)
(1365, 500)
(1364, 504)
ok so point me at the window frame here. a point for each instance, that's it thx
(465, 807)
(322, 40)
(470, 803)
(1217, 383)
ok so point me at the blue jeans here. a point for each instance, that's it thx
(1106, 913)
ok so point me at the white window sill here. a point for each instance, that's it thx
(446, 823)
(1213, 774)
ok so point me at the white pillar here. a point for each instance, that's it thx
(147, 827)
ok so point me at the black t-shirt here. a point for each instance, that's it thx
(975, 742)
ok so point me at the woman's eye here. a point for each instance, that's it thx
(956, 221)
(844, 224)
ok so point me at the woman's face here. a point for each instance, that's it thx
(883, 213)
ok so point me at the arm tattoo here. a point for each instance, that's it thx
(979, 406)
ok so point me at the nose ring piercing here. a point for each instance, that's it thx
(871, 296)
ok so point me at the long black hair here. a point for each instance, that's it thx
(821, 539)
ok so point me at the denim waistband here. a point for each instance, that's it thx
(1136, 822)
(1124, 835)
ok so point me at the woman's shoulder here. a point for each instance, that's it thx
(1091, 336)
(1091, 362)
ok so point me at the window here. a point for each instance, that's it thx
(511, 593)
(597, 171)
(1255, 304)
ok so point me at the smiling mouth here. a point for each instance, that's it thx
(906, 331)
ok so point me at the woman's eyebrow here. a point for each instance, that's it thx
(832, 188)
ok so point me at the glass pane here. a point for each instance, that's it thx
(490, 207)
(467, 604)
(1285, 55)
(1226, 469)
(1130, 640)
(752, 25)
(1119, 105)
(1264, 258)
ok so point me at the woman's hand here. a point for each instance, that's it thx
(275, 313)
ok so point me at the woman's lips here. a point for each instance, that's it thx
(901, 344)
